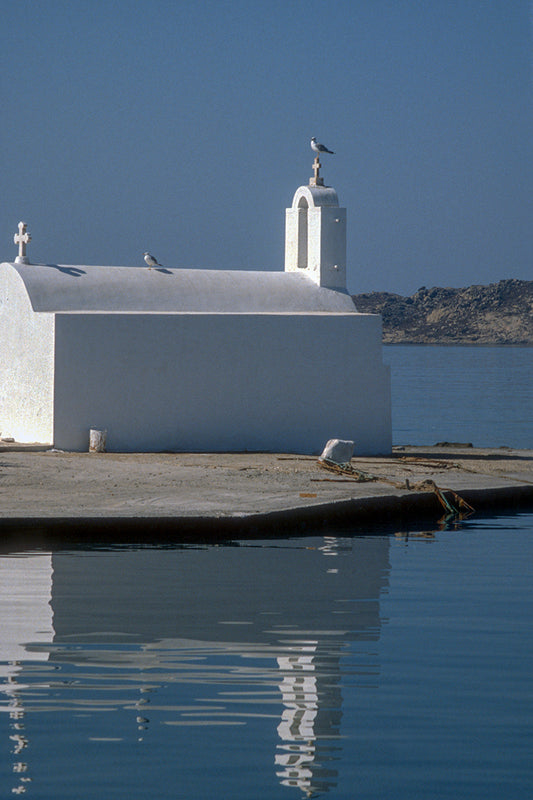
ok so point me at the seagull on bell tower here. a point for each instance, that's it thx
(320, 148)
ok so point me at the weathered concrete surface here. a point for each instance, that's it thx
(221, 494)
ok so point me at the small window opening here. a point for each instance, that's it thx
(302, 233)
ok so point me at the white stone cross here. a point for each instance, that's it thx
(316, 180)
(22, 238)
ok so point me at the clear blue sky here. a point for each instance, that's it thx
(183, 128)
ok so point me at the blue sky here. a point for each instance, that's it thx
(183, 128)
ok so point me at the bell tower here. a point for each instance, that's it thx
(315, 234)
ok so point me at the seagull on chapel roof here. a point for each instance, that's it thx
(151, 260)
(320, 148)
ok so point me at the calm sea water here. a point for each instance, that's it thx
(396, 665)
(482, 395)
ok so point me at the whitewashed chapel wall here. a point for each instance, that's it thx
(221, 382)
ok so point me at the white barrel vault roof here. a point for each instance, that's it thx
(60, 287)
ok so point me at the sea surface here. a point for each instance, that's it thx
(481, 395)
(337, 664)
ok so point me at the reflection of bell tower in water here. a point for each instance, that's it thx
(311, 719)
(310, 726)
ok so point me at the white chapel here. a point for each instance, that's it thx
(198, 360)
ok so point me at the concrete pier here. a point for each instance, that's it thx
(189, 495)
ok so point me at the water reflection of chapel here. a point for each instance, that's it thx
(254, 609)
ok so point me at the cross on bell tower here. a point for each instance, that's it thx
(316, 180)
(22, 238)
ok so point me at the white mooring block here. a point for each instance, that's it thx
(338, 450)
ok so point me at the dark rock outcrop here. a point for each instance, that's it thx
(500, 313)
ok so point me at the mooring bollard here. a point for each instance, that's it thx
(338, 450)
(97, 441)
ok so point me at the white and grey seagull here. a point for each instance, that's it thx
(320, 148)
(151, 261)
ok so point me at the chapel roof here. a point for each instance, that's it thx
(60, 287)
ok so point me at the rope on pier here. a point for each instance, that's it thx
(455, 506)
(347, 469)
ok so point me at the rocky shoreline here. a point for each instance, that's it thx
(498, 314)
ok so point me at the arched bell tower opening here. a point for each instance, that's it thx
(303, 232)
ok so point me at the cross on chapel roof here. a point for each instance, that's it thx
(22, 238)
(316, 180)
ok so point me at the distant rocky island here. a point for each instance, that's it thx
(500, 313)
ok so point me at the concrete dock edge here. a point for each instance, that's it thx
(365, 515)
